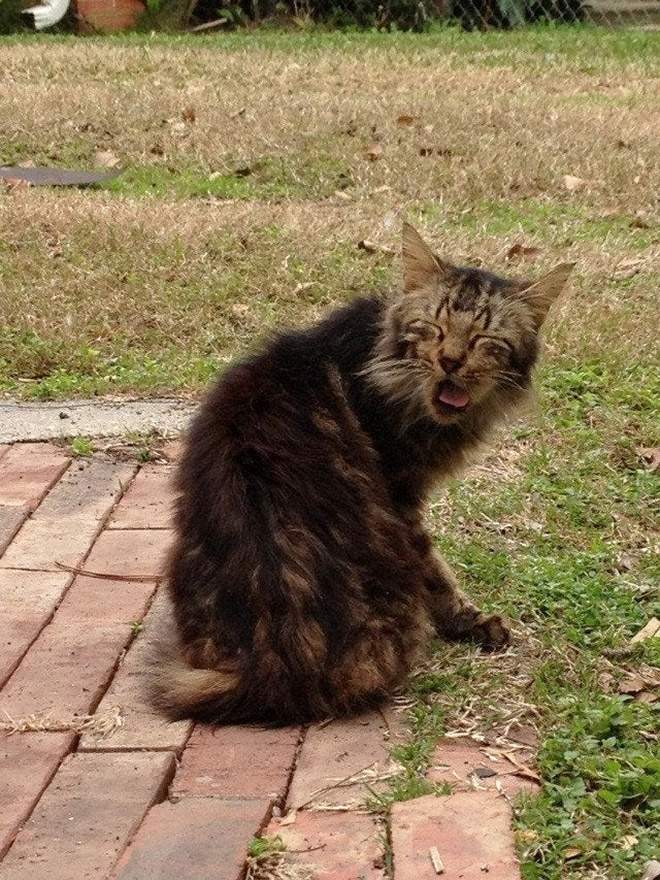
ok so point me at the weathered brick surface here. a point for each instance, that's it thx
(27, 600)
(11, 519)
(28, 762)
(28, 470)
(67, 522)
(465, 764)
(148, 501)
(339, 750)
(341, 846)
(4, 449)
(87, 815)
(68, 667)
(198, 838)
(172, 450)
(471, 831)
(143, 728)
(237, 762)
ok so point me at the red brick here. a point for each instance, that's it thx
(28, 470)
(147, 502)
(28, 762)
(337, 751)
(67, 522)
(198, 838)
(11, 519)
(459, 762)
(341, 846)
(143, 727)
(87, 815)
(69, 666)
(172, 450)
(471, 831)
(27, 599)
(237, 762)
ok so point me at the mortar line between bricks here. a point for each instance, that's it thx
(102, 524)
(158, 798)
(72, 748)
(294, 765)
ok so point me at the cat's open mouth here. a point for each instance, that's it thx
(451, 397)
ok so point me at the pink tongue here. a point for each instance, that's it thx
(453, 396)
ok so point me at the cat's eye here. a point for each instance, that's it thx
(494, 342)
(425, 330)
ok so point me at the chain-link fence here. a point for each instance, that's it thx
(419, 14)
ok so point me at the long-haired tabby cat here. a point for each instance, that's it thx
(303, 582)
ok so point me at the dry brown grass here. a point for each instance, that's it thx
(186, 283)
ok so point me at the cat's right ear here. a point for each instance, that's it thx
(421, 267)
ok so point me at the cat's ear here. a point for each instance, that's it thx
(421, 267)
(540, 295)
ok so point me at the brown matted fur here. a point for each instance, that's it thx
(302, 580)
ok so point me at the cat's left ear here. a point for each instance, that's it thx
(421, 267)
(540, 295)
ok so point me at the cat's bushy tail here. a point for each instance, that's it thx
(180, 690)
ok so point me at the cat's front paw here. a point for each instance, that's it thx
(491, 631)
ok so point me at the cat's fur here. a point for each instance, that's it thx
(303, 582)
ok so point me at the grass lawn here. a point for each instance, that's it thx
(247, 217)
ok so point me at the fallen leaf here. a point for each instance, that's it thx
(646, 697)
(435, 151)
(374, 151)
(632, 684)
(484, 772)
(189, 115)
(521, 250)
(405, 119)
(639, 221)
(651, 630)
(241, 310)
(651, 870)
(15, 183)
(527, 835)
(572, 853)
(106, 159)
(651, 456)
(628, 841)
(605, 680)
(573, 184)
(372, 247)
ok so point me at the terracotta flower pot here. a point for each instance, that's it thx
(106, 16)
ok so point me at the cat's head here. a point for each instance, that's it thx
(459, 340)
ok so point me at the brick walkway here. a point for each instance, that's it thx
(158, 800)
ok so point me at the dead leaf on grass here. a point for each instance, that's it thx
(650, 455)
(188, 114)
(374, 151)
(572, 853)
(640, 221)
(520, 251)
(651, 630)
(605, 680)
(372, 247)
(405, 119)
(646, 697)
(435, 151)
(651, 870)
(106, 159)
(574, 184)
(631, 684)
(628, 841)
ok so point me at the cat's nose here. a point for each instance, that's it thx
(450, 364)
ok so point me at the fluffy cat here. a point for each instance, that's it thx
(302, 580)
